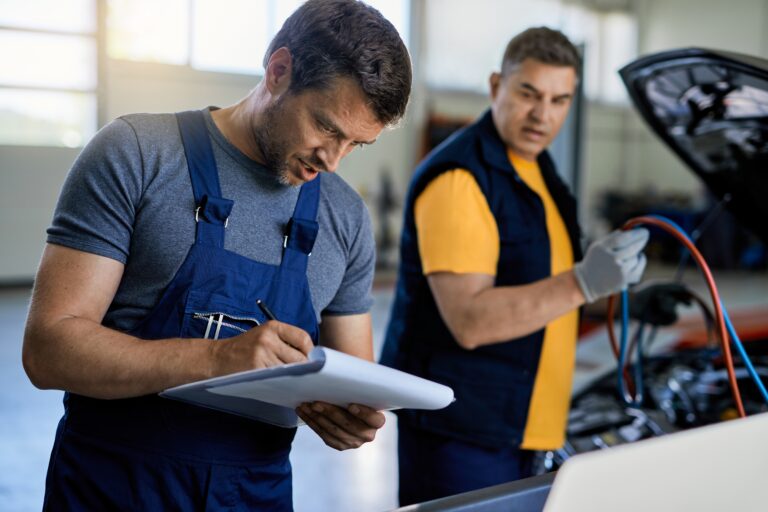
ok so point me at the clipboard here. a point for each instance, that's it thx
(271, 394)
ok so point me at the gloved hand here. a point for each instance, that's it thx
(612, 263)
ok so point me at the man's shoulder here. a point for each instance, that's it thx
(340, 198)
(337, 190)
(459, 151)
(461, 145)
(150, 122)
(459, 139)
(156, 135)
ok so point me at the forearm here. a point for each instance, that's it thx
(66, 347)
(498, 314)
(82, 356)
(351, 334)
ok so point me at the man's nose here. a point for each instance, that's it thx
(330, 155)
(540, 110)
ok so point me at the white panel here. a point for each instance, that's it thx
(31, 180)
(736, 26)
(148, 30)
(46, 118)
(620, 48)
(465, 41)
(283, 9)
(47, 60)
(397, 12)
(230, 35)
(58, 15)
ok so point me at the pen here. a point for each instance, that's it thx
(264, 309)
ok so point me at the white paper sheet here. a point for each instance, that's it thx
(328, 376)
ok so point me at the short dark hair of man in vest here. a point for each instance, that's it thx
(542, 44)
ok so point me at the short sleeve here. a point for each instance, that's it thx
(354, 294)
(456, 229)
(97, 204)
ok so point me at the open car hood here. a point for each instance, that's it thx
(711, 108)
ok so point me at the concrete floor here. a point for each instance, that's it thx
(324, 480)
(28, 416)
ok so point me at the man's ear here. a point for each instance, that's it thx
(278, 73)
(493, 82)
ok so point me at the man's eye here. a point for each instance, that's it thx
(327, 129)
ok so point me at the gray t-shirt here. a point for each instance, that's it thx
(129, 197)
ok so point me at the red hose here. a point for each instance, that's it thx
(719, 320)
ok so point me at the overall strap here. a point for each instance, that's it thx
(211, 210)
(301, 231)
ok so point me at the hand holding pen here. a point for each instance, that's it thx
(340, 428)
(269, 344)
(264, 309)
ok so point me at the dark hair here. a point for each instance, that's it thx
(329, 39)
(543, 44)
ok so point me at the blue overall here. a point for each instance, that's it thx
(152, 453)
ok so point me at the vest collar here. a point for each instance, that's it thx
(495, 151)
(493, 148)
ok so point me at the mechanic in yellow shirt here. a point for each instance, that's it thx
(488, 288)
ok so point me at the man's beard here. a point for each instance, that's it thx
(270, 143)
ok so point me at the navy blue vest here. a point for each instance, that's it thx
(493, 384)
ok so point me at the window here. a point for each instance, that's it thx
(49, 61)
(464, 41)
(211, 35)
(148, 30)
(47, 72)
(463, 46)
(619, 44)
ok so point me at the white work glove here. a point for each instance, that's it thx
(612, 263)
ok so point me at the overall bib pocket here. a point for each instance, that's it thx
(212, 316)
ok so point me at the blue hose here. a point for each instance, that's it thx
(731, 331)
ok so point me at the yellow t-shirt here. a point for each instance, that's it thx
(458, 233)
(456, 229)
